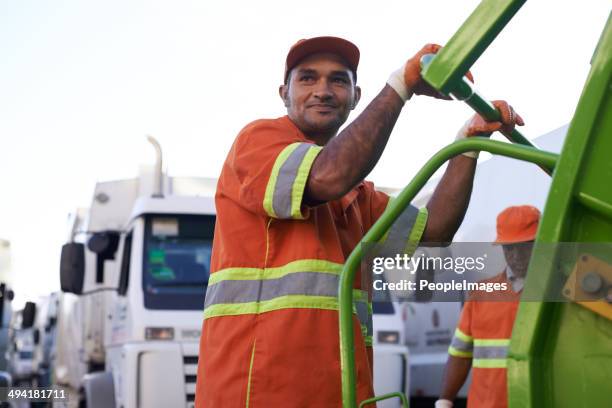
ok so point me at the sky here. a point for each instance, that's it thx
(82, 83)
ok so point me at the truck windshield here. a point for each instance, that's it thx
(382, 302)
(176, 263)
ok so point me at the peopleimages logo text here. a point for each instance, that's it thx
(410, 264)
(423, 284)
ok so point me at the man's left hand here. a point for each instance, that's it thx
(478, 126)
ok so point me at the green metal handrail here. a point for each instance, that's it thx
(399, 395)
(345, 290)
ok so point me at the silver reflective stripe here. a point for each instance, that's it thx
(296, 283)
(461, 345)
(281, 200)
(397, 239)
(490, 352)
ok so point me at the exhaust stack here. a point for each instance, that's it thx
(158, 186)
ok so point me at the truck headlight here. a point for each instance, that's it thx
(388, 337)
(159, 333)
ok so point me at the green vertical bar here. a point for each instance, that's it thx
(561, 353)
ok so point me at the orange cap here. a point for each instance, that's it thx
(334, 45)
(517, 224)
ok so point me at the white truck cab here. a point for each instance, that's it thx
(391, 357)
(141, 309)
(20, 350)
(44, 336)
(155, 319)
(6, 297)
(134, 273)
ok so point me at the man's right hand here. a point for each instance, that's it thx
(407, 80)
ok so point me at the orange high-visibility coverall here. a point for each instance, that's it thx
(270, 331)
(483, 334)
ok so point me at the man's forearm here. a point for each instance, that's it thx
(449, 202)
(349, 157)
(455, 374)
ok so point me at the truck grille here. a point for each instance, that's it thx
(190, 368)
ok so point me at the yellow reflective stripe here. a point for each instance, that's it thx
(490, 363)
(299, 185)
(267, 241)
(235, 274)
(269, 195)
(462, 336)
(417, 231)
(368, 341)
(360, 295)
(248, 396)
(491, 342)
(303, 265)
(458, 353)
(283, 302)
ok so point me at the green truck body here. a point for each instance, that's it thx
(561, 351)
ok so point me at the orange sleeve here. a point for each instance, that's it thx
(267, 169)
(462, 344)
(406, 232)
(378, 204)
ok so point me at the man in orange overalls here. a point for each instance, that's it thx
(291, 206)
(485, 327)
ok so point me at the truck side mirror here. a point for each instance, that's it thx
(72, 268)
(28, 315)
(5, 379)
(104, 245)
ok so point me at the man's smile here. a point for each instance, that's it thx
(322, 107)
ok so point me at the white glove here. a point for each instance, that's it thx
(443, 403)
(463, 134)
(397, 82)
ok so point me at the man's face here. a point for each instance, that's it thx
(518, 256)
(320, 94)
